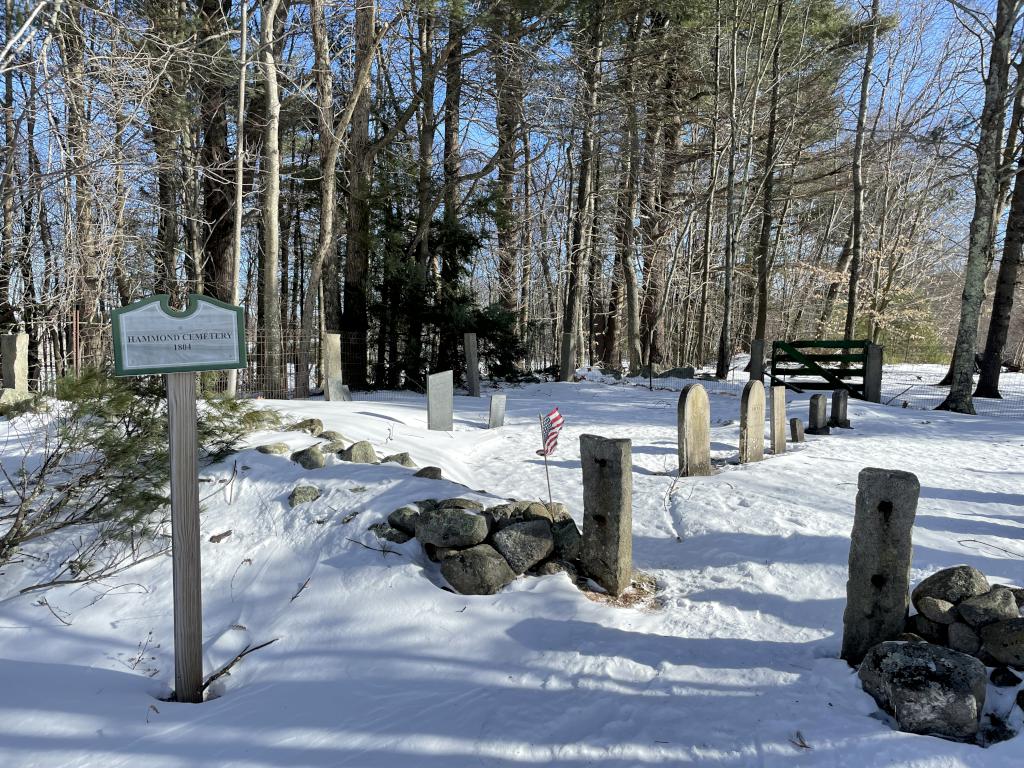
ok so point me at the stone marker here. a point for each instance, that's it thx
(14, 361)
(840, 402)
(331, 356)
(752, 422)
(777, 420)
(472, 364)
(694, 424)
(607, 511)
(816, 422)
(496, 414)
(796, 430)
(338, 392)
(878, 588)
(439, 401)
(873, 374)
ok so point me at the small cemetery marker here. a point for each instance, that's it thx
(816, 423)
(878, 588)
(496, 413)
(693, 415)
(777, 420)
(840, 403)
(152, 338)
(440, 406)
(607, 511)
(472, 364)
(752, 423)
(331, 354)
(796, 430)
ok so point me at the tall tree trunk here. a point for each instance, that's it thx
(355, 321)
(1006, 286)
(451, 266)
(857, 240)
(571, 314)
(270, 290)
(508, 85)
(986, 189)
(725, 339)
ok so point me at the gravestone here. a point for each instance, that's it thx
(472, 364)
(338, 392)
(873, 374)
(14, 361)
(816, 421)
(878, 588)
(331, 355)
(796, 430)
(752, 422)
(607, 511)
(439, 401)
(496, 414)
(693, 415)
(840, 403)
(777, 420)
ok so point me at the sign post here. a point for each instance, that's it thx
(151, 338)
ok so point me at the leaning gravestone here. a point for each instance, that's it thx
(816, 423)
(694, 425)
(331, 354)
(796, 430)
(752, 423)
(472, 364)
(439, 401)
(496, 413)
(840, 403)
(777, 419)
(878, 588)
(607, 511)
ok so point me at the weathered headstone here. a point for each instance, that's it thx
(878, 588)
(14, 361)
(439, 401)
(873, 374)
(331, 356)
(694, 426)
(752, 422)
(777, 420)
(816, 420)
(840, 403)
(338, 392)
(472, 364)
(607, 511)
(496, 413)
(796, 430)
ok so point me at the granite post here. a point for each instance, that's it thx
(777, 420)
(607, 511)
(440, 401)
(14, 361)
(796, 430)
(472, 364)
(878, 588)
(752, 422)
(693, 416)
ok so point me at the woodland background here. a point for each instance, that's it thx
(604, 182)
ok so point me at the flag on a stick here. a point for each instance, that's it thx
(550, 426)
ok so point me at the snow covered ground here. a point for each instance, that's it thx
(377, 666)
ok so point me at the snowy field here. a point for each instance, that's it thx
(377, 666)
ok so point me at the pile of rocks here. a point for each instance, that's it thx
(481, 550)
(933, 677)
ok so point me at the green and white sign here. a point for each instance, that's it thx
(151, 337)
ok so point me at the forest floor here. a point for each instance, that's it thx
(375, 666)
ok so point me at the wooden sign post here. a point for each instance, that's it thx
(150, 338)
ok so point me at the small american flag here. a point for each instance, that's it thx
(550, 426)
